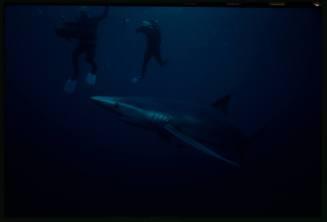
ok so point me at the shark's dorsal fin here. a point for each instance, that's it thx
(222, 104)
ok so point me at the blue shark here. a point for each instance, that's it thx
(206, 128)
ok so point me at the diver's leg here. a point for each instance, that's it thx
(157, 56)
(146, 59)
(90, 58)
(71, 83)
(76, 54)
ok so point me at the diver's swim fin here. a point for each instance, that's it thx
(70, 86)
(91, 79)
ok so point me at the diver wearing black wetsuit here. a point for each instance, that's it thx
(87, 40)
(152, 32)
(85, 31)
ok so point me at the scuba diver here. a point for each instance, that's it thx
(151, 29)
(85, 31)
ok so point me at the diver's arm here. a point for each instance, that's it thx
(103, 15)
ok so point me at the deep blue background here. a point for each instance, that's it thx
(65, 156)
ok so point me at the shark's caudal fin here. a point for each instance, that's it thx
(190, 141)
(222, 104)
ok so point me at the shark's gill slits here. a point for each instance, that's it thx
(158, 117)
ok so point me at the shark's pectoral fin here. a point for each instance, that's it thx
(164, 136)
(190, 141)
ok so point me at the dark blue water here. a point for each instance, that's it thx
(67, 157)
